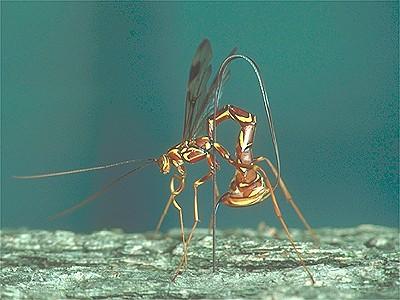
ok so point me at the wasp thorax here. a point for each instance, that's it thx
(164, 164)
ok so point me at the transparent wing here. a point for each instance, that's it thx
(196, 93)
(206, 107)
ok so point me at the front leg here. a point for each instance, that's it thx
(174, 192)
(196, 184)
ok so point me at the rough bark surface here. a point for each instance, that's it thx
(352, 263)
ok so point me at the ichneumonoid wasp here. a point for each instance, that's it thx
(251, 184)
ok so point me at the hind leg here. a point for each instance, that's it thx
(283, 223)
(289, 198)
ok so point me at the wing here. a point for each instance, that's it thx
(206, 107)
(199, 99)
(199, 74)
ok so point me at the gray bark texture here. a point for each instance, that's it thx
(351, 263)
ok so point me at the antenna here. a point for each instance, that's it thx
(62, 173)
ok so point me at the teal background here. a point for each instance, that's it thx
(89, 83)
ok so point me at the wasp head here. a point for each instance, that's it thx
(164, 164)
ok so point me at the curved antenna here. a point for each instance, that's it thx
(82, 170)
(100, 192)
(267, 106)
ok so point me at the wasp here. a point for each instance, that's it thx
(251, 183)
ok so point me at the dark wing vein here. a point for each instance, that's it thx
(206, 107)
(199, 74)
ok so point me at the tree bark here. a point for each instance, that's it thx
(351, 263)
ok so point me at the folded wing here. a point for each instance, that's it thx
(199, 98)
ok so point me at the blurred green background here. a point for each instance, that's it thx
(89, 83)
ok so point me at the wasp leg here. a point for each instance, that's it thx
(196, 184)
(172, 200)
(290, 199)
(184, 256)
(283, 223)
(221, 150)
(174, 193)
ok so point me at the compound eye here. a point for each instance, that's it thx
(166, 164)
(166, 169)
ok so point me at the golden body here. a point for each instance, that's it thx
(250, 184)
